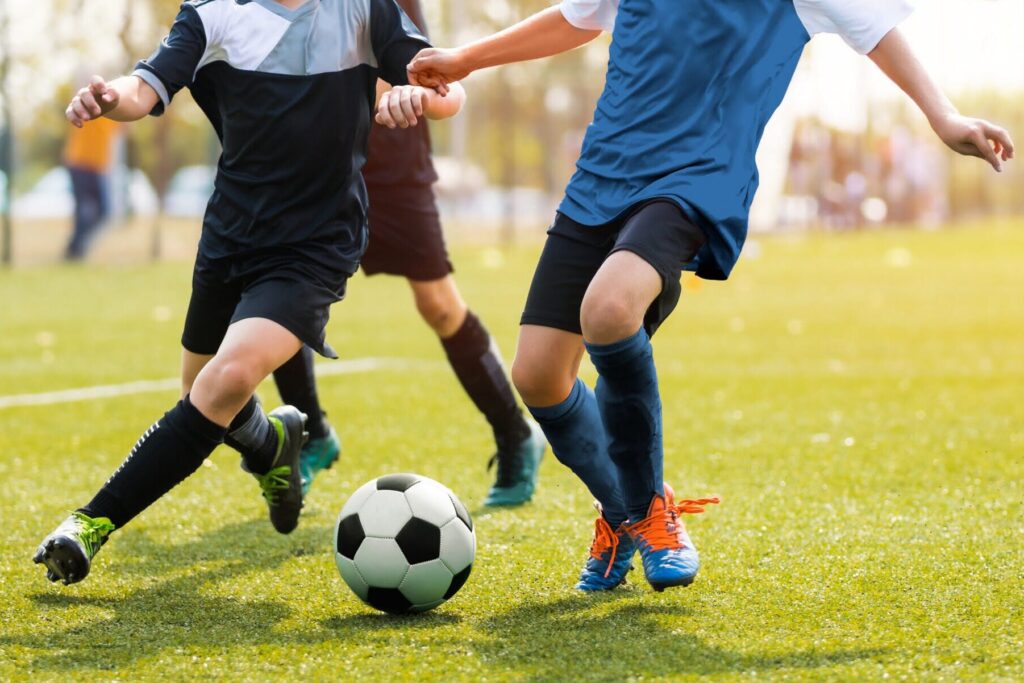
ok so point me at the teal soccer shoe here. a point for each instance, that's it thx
(517, 470)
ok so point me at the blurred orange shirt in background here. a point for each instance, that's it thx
(91, 147)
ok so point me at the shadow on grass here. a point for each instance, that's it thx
(171, 613)
(614, 637)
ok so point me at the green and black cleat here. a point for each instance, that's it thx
(282, 485)
(68, 551)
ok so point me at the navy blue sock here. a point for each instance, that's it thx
(630, 406)
(574, 430)
(296, 382)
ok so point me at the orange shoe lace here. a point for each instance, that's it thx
(605, 539)
(660, 530)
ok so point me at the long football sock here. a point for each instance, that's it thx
(164, 456)
(296, 382)
(630, 406)
(252, 435)
(475, 360)
(577, 437)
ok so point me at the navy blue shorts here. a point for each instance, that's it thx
(657, 231)
(294, 287)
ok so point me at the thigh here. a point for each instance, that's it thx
(296, 293)
(215, 294)
(191, 365)
(571, 257)
(661, 234)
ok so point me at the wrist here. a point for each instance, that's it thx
(471, 57)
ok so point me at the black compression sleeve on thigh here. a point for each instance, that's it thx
(165, 455)
(476, 363)
(296, 382)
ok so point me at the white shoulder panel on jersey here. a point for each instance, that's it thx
(240, 34)
(593, 15)
(861, 23)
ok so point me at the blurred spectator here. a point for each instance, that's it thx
(88, 156)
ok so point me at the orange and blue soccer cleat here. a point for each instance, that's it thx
(611, 557)
(668, 554)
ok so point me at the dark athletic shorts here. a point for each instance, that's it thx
(405, 234)
(657, 232)
(293, 286)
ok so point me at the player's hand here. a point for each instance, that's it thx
(402, 106)
(976, 138)
(92, 102)
(437, 67)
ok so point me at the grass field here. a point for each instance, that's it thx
(857, 401)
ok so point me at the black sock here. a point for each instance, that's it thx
(252, 435)
(297, 385)
(478, 366)
(164, 456)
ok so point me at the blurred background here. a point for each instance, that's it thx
(846, 151)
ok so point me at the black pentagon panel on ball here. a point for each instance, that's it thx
(420, 541)
(350, 536)
(388, 600)
(457, 582)
(397, 482)
(462, 512)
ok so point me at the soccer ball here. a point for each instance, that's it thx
(404, 543)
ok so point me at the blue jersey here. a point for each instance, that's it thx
(290, 93)
(691, 85)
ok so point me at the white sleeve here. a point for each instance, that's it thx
(861, 23)
(594, 15)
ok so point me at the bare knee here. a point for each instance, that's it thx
(539, 386)
(229, 382)
(609, 318)
(440, 306)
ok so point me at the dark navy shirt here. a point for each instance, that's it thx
(290, 94)
(691, 85)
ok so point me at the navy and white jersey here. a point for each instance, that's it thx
(691, 85)
(290, 94)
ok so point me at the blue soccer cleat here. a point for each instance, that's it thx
(669, 556)
(611, 557)
(318, 455)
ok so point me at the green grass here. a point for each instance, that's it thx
(856, 400)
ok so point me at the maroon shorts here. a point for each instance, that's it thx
(405, 234)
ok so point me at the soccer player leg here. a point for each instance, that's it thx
(251, 350)
(545, 372)
(296, 383)
(477, 364)
(635, 289)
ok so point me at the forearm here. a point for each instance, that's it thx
(897, 60)
(541, 35)
(437, 107)
(137, 99)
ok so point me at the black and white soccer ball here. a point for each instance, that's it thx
(404, 543)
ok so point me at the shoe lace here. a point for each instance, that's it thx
(661, 530)
(605, 540)
(508, 462)
(274, 481)
(93, 532)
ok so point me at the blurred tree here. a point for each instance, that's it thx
(6, 139)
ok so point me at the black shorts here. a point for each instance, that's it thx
(294, 287)
(656, 231)
(405, 234)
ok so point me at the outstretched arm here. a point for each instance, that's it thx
(968, 136)
(544, 34)
(127, 98)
